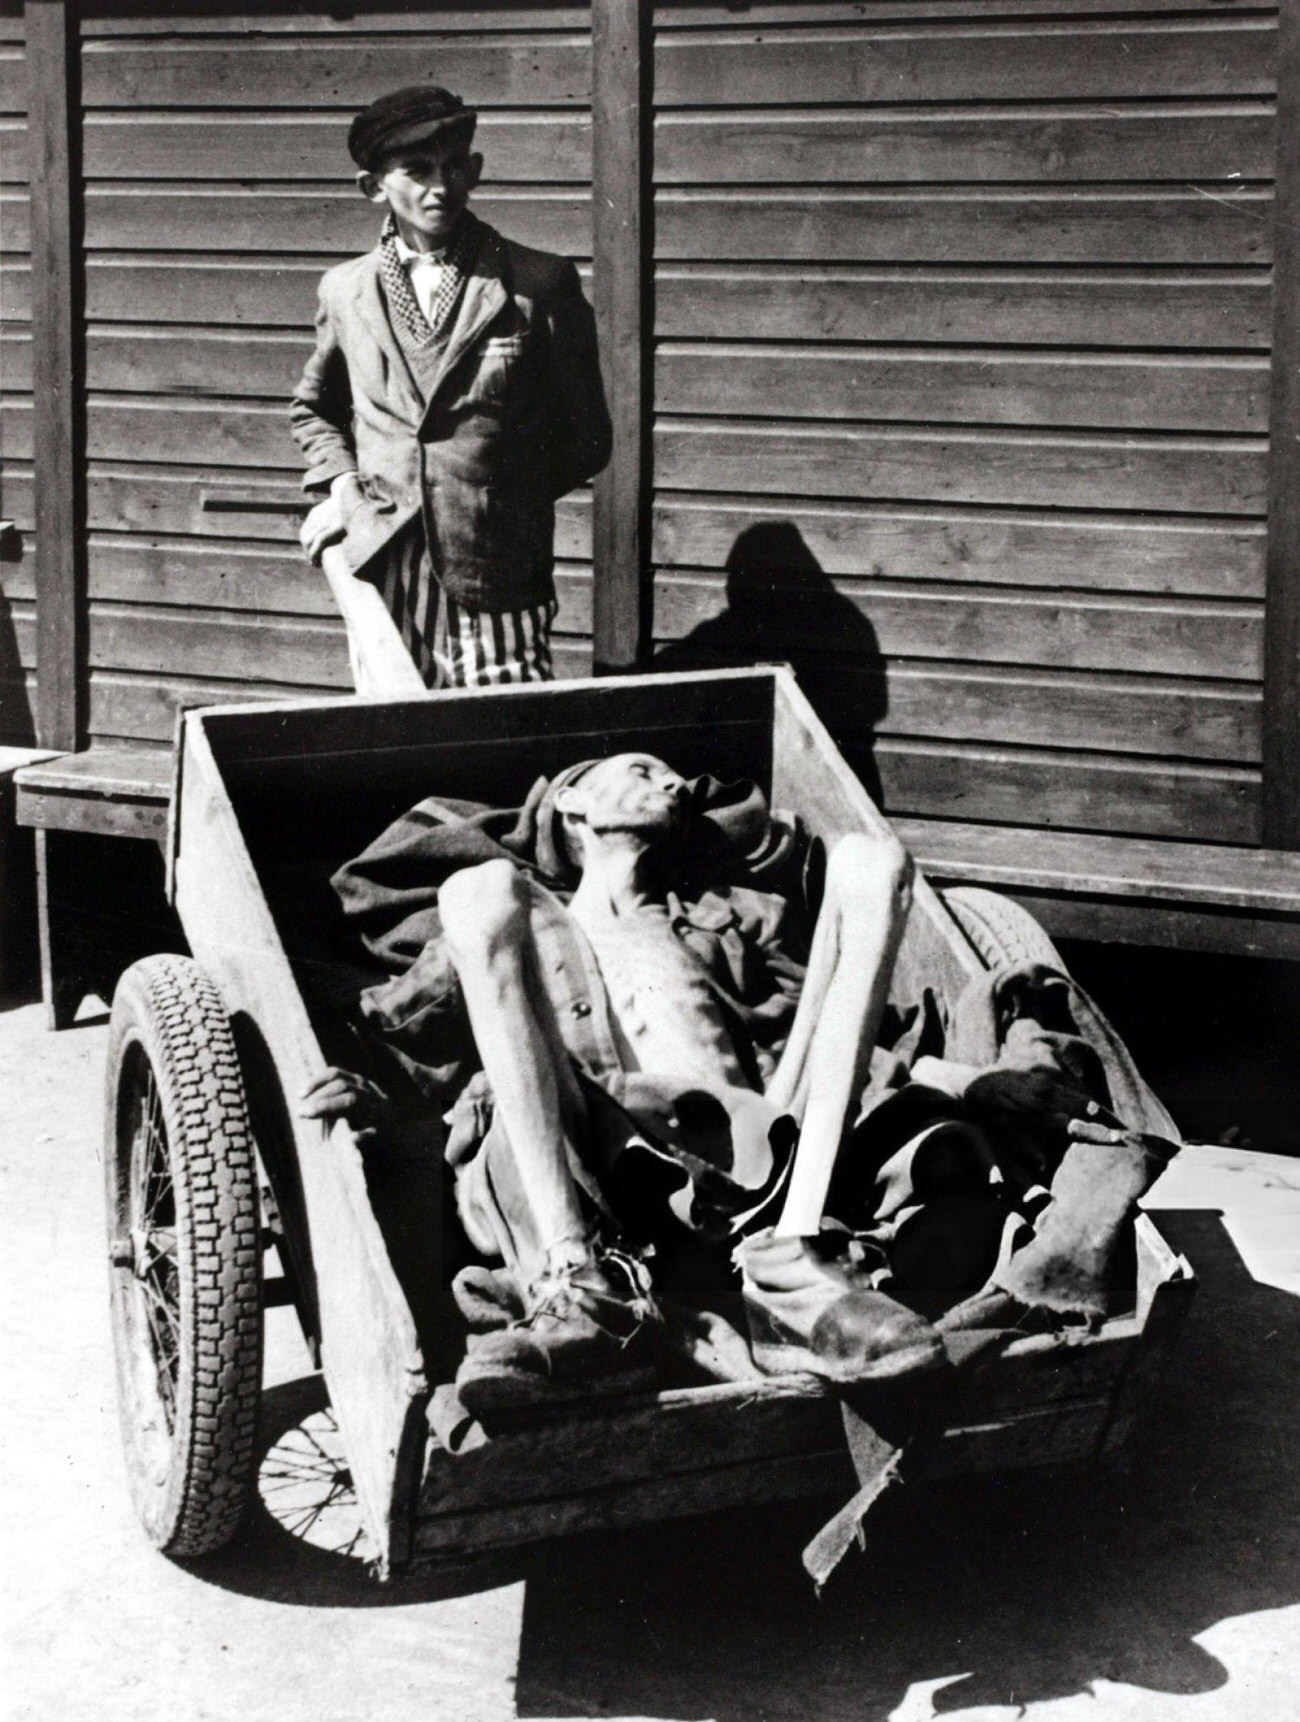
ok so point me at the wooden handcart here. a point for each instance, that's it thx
(208, 1164)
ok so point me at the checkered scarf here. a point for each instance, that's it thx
(414, 332)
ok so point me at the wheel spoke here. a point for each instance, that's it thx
(165, 1354)
(161, 1242)
(162, 1324)
(307, 1487)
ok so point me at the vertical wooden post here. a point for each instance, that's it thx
(56, 371)
(620, 193)
(1282, 612)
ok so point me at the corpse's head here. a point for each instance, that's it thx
(630, 797)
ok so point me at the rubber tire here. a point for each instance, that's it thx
(190, 1473)
(1000, 930)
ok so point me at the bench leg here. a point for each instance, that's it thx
(100, 906)
(61, 989)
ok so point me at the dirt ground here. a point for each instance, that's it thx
(1170, 1596)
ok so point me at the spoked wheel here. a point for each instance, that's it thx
(307, 1489)
(185, 1248)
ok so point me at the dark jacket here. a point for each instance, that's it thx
(515, 417)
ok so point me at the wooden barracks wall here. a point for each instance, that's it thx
(217, 189)
(17, 588)
(964, 308)
(959, 364)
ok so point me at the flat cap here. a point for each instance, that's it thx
(406, 116)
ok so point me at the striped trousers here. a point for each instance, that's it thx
(454, 646)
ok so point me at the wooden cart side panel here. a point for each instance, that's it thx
(268, 732)
(371, 1356)
(810, 775)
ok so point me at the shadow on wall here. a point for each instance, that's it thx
(782, 607)
(17, 719)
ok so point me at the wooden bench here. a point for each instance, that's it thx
(100, 904)
(1130, 890)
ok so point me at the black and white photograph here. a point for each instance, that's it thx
(650, 860)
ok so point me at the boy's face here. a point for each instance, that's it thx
(426, 185)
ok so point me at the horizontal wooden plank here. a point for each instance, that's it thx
(329, 218)
(1258, 879)
(1163, 636)
(16, 357)
(106, 18)
(542, 1459)
(674, 1495)
(1198, 475)
(1182, 474)
(125, 774)
(1140, 391)
(13, 79)
(212, 291)
(1208, 558)
(195, 361)
(736, 146)
(1137, 391)
(1096, 224)
(17, 500)
(144, 707)
(1079, 791)
(682, 15)
(15, 155)
(294, 651)
(288, 146)
(15, 220)
(179, 571)
(1225, 309)
(15, 291)
(1170, 716)
(214, 503)
(1087, 308)
(534, 69)
(145, 822)
(16, 418)
(1171, 474)
(1233, 932)
(975, 61)
(221, 18)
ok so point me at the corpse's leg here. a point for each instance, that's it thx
(824, 1067)
(489, 939)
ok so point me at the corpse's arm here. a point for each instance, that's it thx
(824, 1067)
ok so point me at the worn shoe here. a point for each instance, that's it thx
(590, 1325)
(811, 1310)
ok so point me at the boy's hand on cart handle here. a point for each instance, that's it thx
(343, 1094)
(327, 522)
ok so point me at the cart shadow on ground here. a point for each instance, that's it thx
(998, 1592)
